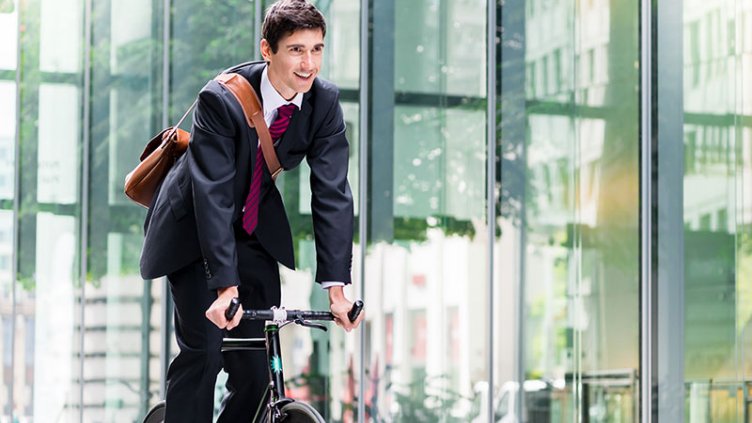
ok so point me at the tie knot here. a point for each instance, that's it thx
(286, 110)
(279, 126)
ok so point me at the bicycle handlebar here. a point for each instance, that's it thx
(283, 315)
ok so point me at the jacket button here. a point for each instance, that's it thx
(207, 272)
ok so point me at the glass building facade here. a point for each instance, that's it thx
(553, 200)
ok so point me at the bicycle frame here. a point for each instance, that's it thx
(274, 396)
(274, 355)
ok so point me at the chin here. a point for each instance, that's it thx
(305, 88)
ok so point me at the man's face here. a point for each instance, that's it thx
(296, 63)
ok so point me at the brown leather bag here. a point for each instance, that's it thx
(165, 148)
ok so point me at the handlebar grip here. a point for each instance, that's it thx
(258, 315)
(355, 310)
(232, 309)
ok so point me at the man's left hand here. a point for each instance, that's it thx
(339, 305)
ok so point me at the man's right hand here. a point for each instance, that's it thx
(216, 312)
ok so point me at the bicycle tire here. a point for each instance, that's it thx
(295, 412)
(156, 414)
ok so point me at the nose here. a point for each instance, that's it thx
(306, 62)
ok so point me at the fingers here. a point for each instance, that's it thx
(341, 319)
(216, 314)
(356, 323)
(182, 136)
(236, 319)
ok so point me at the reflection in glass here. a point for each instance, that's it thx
(60, 38)
(7, 138)
(206, 38)
(341, 59)
(569, 211)
(426, 276)
(718, 290)
(6, 300)
(436, 166)
(55, 346)
(9, 34)
(122, 316)
(439, 47)
(742, 213)
(135, 68)
(58, 152)
(122, 369)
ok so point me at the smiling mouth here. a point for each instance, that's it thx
(302, 75)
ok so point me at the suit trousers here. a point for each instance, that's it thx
(192, 374)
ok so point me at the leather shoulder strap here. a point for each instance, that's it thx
(254, 116)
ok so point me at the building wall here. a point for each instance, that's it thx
(529, 312)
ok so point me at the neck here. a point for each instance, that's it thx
(275, 84)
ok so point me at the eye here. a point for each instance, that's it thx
(318, 49)
(296, 50)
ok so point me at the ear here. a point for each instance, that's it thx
(266, 50)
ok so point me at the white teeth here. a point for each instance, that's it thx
(303, 75)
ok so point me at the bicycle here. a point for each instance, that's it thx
(274, 407)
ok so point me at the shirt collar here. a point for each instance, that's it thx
(271, 98)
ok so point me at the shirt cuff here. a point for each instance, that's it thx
(329, 284)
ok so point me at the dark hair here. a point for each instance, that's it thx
(287, 16)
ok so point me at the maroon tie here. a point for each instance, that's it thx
(277, 128)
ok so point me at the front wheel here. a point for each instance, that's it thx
(156, 413)
(295, 412)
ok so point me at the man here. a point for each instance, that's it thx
(217, 228)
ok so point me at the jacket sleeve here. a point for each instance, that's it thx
(211, 156)
(331, 199)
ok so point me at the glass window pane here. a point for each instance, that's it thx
(341, 60)
(9, 34)
(6, 303)
(439, 47)
(436, 167)
(8, 116)
(131, 36)
(122, 372)
(61, 34)
(716, 208)
(569, 185)
(417, 34)
(426, 280)
(7, 138)
(742, 213)
(59, 139)
(122, 368)
(49, 300)
(207, 37)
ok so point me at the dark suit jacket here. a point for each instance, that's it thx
(201, 199)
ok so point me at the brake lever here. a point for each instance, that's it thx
(310, 324)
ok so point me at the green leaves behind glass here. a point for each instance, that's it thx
(7, 6)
